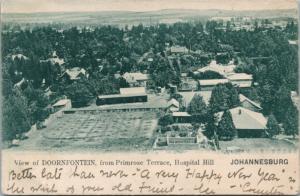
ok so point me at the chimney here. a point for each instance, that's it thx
(240, 111)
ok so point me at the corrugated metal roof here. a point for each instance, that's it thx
(212, 82)
(246, 119)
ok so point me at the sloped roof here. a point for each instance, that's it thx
(133, 90)
(133, 77)
(19, 56)
(74, 72)
(179, 49)
(212, 82)
(246, 119)
(244, 98)
(239, 76)
(173, 102)
(61, 102)
(180, 114)
(221, 69)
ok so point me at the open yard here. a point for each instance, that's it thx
(259, 144)
(99, 131)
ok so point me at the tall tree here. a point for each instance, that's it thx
(272, 126)
(226, 128)
(197, 108)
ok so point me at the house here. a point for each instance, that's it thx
(247, 103)
(249, 124)
(178, 50)
(173, 105)
(74, 73)
(133, 90)
(62, 104)
(241, 80)
(136, 79)
(181, 117)
(208, 85)
(221, 69)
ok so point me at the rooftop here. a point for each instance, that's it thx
(221, 69)
(246, 119)
(181, 114)
(212, 82)
(61, 102)
(75, 72)
(239, 76)
(133, 77)
(173, 102)
(121, 95)
(244, 98)
(133, 90)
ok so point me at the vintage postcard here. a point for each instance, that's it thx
(149, 97)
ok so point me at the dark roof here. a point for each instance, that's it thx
(121, 95)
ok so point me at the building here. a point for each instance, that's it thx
(247, 103)
(119, 98)
(178, 50)
(173, 105)
(62, 104)
(74, 73)
(208, 85)
(133, 90)
(249, 124)
(221, 69)
(181, 117)
(136, 79)
(241, 80)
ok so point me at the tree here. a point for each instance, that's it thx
(166, 120)
(16, 119)
(223, 96)
(272, 125)
(290, 122)
(226, 128)
(197, 108)
(79, 94)
(210, 125)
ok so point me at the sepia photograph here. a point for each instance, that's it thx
(149, 75)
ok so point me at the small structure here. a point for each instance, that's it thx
(249, 124)
(208, 85)
(74, 73)
(173, 105)
(136, 79)
(181, 117)
(241, 80)
(178, 50)
(62, 104)
(249, 104)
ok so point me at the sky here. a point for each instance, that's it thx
(29, 6)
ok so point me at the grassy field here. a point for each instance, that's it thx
(103, 131)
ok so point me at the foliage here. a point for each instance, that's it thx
(197, 108)
(79, 94)
(208, 75)
(272, 125)
(223, 96)
(226, 129)
(165, 120)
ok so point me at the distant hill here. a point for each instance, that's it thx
(133, 18)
